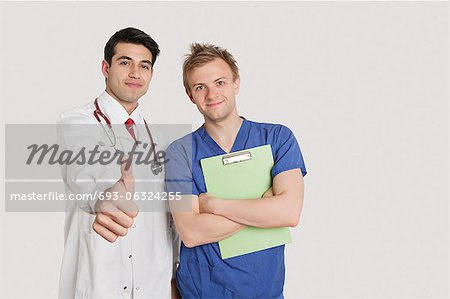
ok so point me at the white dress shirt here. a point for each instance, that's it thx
(138, 265)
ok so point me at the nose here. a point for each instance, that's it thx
(213, 93)
(135, 71)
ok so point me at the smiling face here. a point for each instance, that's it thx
(129, 75)
(213, 90)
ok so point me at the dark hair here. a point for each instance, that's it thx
(133, 36)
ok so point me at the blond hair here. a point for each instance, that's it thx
(202, 54)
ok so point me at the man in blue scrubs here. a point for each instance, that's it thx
(211, 79)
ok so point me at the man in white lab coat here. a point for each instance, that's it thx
(113, 249)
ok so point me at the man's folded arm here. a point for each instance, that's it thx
(196, 228)
(281, 209)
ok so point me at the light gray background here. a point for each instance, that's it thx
(364, 87)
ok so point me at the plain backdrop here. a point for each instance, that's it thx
(363, 85)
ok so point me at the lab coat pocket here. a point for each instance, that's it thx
(98, 267)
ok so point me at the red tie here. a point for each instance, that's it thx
(129, 125)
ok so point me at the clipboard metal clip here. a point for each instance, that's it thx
(236, 158)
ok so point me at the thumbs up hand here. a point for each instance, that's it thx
(127, 178)
(116, 215)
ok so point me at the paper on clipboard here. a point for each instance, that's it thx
(243, 175)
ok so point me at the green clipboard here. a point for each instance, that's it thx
(242, 175)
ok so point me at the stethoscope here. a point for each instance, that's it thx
(155, 166)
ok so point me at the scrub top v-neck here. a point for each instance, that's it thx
(238, 144)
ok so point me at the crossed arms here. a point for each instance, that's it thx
(213, 219)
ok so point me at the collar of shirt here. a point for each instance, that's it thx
(116, 112)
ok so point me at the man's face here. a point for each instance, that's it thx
(129, 75)
(213, 91)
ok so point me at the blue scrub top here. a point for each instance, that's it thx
(202, 273)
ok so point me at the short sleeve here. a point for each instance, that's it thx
(178, 175)
(287, 153)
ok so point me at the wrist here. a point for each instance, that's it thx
(215, 206)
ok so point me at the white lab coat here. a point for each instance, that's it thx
(139, 265)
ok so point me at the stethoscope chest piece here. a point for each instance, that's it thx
(156, 167)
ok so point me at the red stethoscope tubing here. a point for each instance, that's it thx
(98, 113)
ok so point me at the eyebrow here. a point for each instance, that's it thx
(129, 58)
(201, 83)
(124, 58)
(221, 78)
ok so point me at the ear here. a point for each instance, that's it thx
(237, 85)
(188, 92)
(105, 69)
